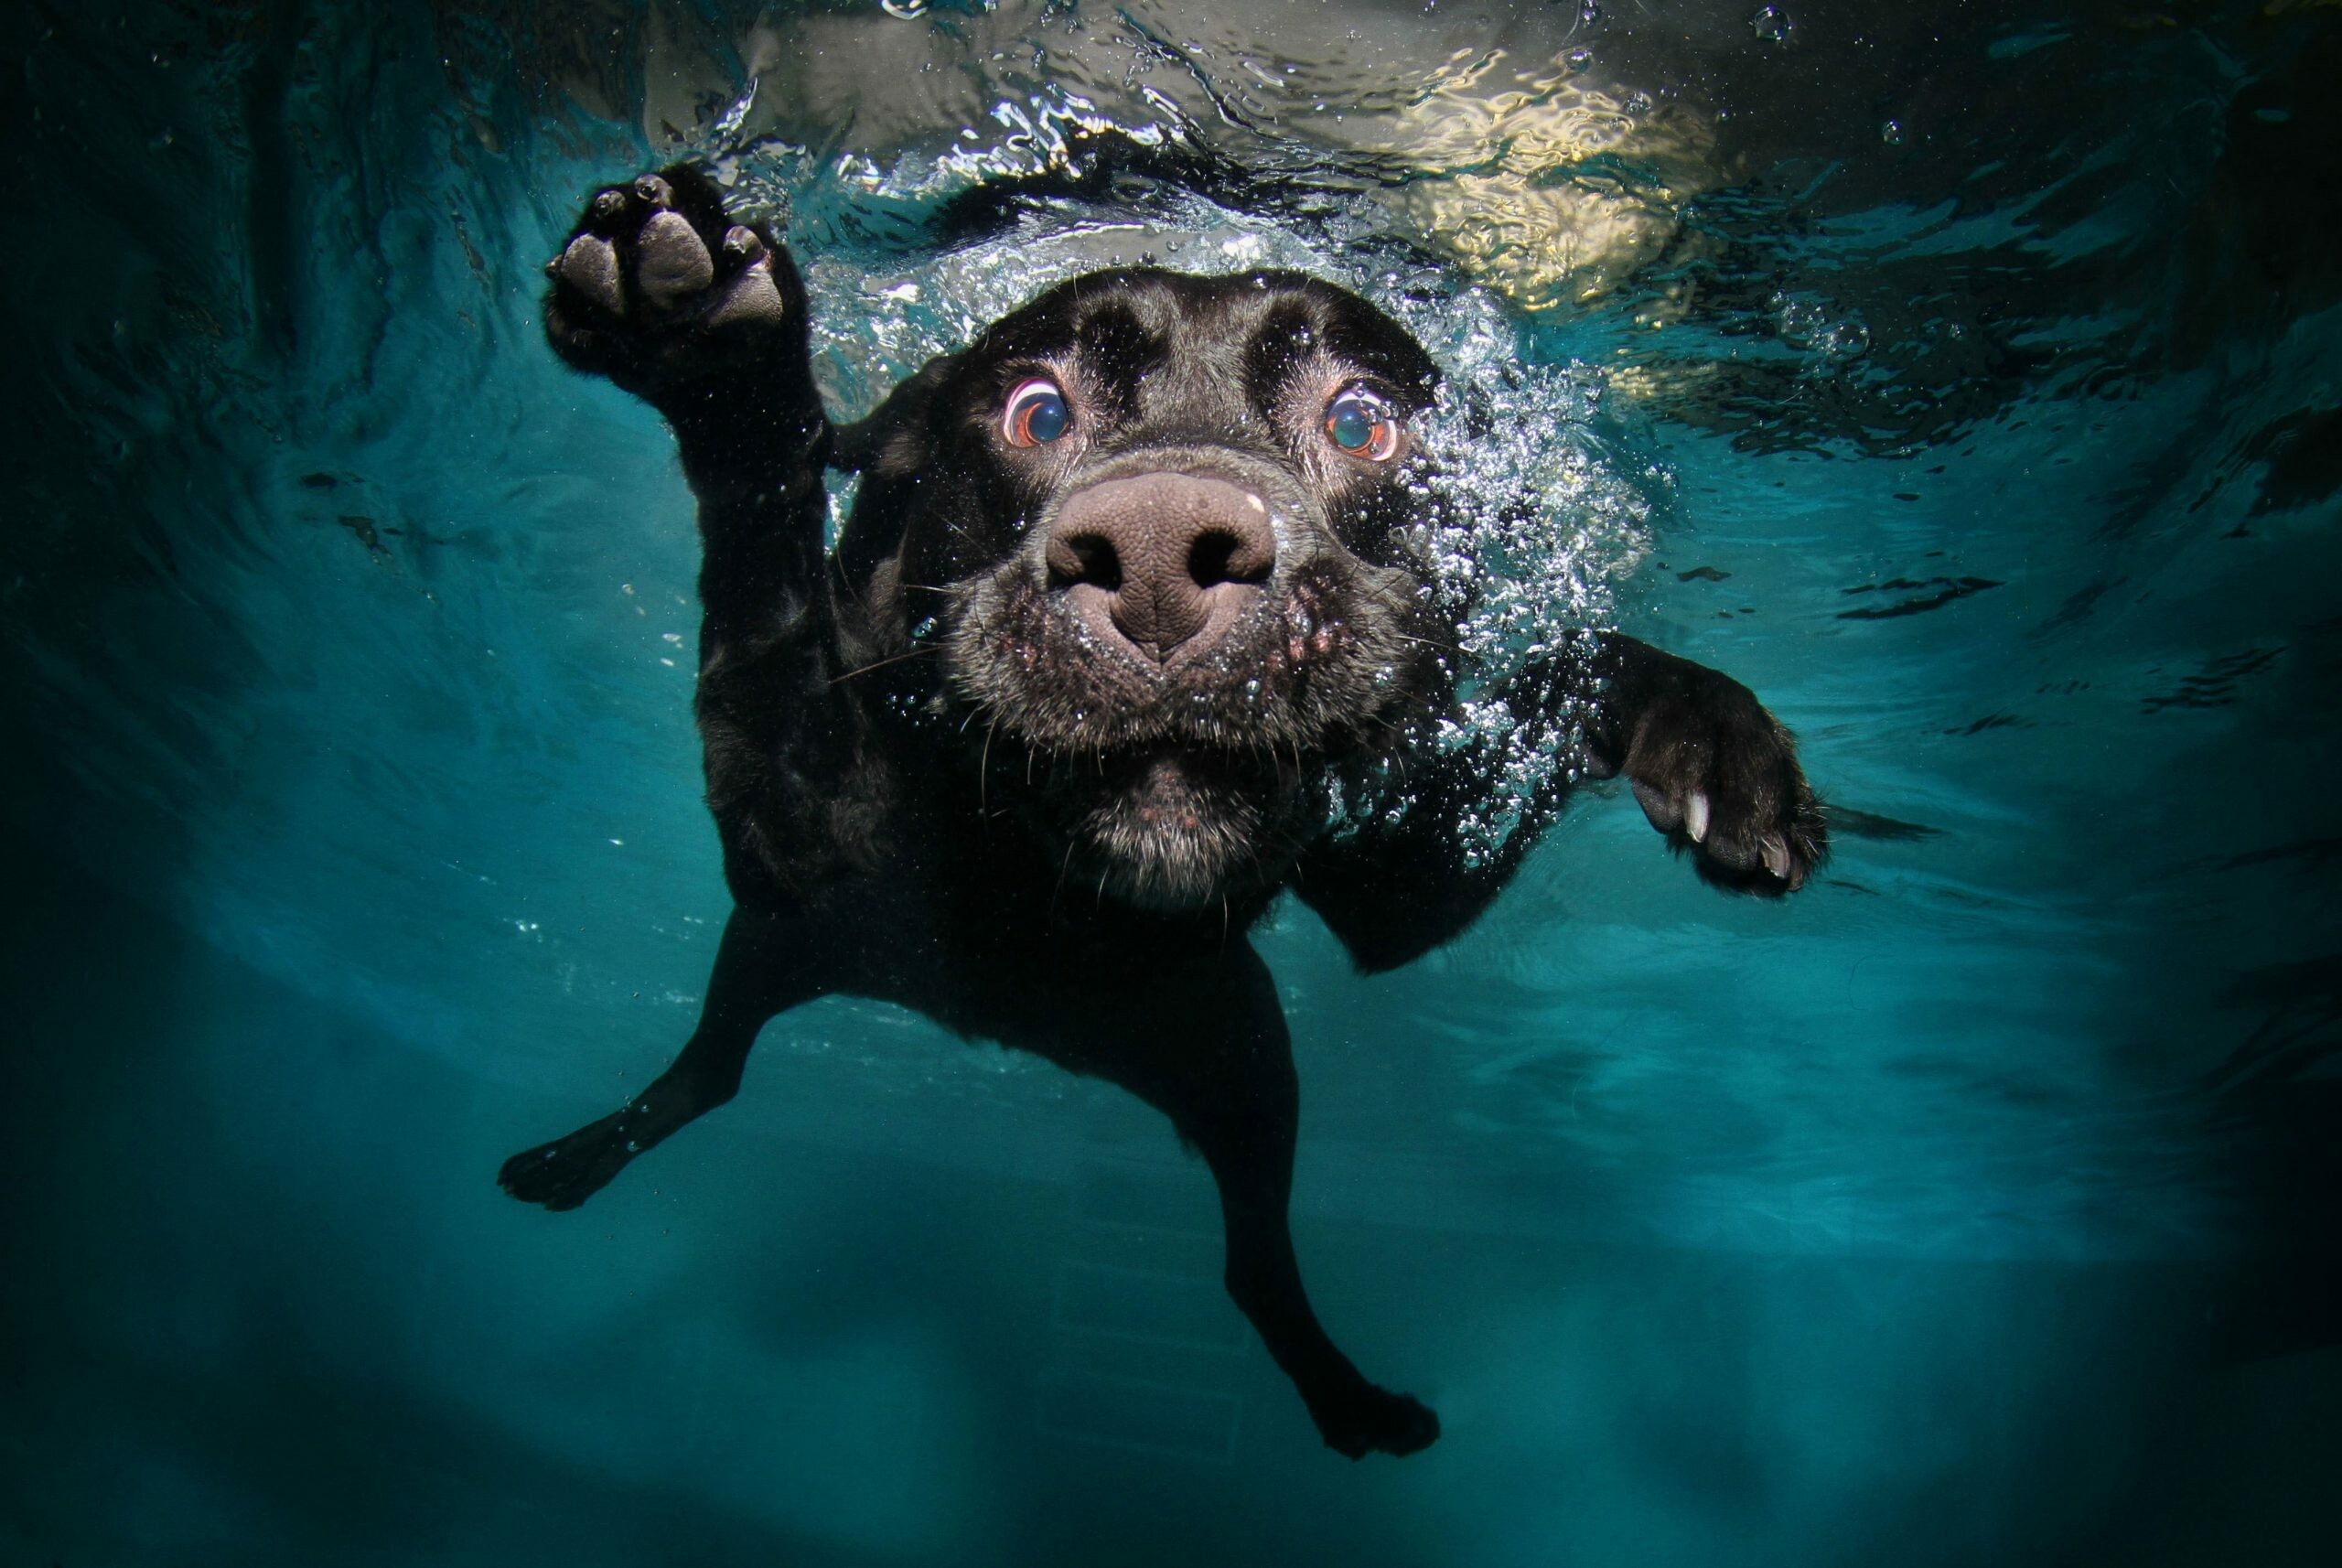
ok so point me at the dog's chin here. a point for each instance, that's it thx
(1171, 830)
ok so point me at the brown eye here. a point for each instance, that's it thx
(1037, 413)
(1362, 423)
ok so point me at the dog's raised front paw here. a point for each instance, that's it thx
(658, 289)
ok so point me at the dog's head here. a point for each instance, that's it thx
(1162, 530)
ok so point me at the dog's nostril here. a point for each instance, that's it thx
(1086, 558)
(1218, 557)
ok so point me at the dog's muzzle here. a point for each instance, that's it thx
(1161, 563)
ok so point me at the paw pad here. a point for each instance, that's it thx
(670, 263)
(590, 265)
(656, 288)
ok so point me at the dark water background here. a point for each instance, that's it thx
(1965, 379)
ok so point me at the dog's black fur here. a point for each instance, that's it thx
(1033, 749)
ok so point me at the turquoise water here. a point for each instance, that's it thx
(1966, 385)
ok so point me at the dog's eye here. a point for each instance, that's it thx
(1358, 422)
(1037, 413)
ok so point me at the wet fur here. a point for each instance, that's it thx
(935, 785)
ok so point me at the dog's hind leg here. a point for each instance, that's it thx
(1222, 1067)
(760, 971)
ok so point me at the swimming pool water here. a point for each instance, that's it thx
(1965, 383)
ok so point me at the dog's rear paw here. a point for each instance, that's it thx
(567, 1171)
(1368, 1419)
(657, 287)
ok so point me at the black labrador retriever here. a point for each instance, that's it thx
(1131, 631)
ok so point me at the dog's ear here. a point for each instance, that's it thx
(891, 450)
(892, 438)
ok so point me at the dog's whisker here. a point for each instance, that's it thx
(1062, 870)
(880, 664)
(983, 765)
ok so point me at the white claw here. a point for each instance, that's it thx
(1695, 817)
(1777, 856)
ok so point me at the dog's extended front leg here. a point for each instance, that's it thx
(1228, 1083)
(759, 971)
(703, 318)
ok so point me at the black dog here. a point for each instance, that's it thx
(1129, 632)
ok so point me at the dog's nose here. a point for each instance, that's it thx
(1167, 561)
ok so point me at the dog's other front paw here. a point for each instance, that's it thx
(1364, 1419)
(659, 290)
(1717, 773)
